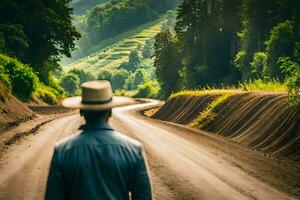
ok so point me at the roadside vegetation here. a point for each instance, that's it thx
(211, 110)
(31, 45)
(246, 43)
(128, 64)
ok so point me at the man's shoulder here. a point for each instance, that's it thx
(112, 138)
(124, 139)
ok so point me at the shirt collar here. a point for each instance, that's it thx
(102, 125)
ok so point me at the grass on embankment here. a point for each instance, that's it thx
(221, 95)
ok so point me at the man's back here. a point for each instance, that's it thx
(98, 163)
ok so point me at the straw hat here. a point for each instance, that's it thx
(96, 95)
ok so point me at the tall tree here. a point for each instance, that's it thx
(167, 63)
(47, 29)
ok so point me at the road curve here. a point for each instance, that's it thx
(181, 168)
(195, 172)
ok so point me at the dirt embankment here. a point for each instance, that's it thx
(12, 111)
(262, 122)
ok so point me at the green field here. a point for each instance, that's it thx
(114, 55)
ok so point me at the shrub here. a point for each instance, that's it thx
(149, 89)
(22, 78)
(259, 65)
(70, 82)
(118, 79)
(83, 75)
(105, 75)
(280, 44)
(292, 70)
(241, 64)
(46, 94)
(4, 77)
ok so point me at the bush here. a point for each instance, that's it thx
(105, 75)
(149, 89)
(280, 44)
(21, 77)
(118, 79)
(46, 94)
(70, 82)
(259, 65)
(241, 64)
(4, 77)
(83, 76)
(292, 70)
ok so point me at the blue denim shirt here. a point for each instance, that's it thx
(98, 163)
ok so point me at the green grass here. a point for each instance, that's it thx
(265, 86)
(201, 92)
(210, 112)
(112, 56)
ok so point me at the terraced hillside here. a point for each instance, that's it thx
(112, 56)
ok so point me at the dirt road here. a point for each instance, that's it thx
(184, 163)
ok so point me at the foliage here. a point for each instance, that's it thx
(38, 32)
(118, 79)
(47, 94)
(83, 75)
(167, 62)
(209, 113)
(280, 44)
(263, 85)
(4, 77)
(240, 63)
(149, 89)
(259, 65)
(112, 18)
(70, 82)
(223, 42)
(293, 79)
(133, 63)
(148, 49)
(20, 77)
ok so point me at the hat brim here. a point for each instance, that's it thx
(76, 103)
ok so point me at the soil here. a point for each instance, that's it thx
(12, 111)
(260, 121)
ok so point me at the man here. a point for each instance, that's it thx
(98, 162)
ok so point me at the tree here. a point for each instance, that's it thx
(70, 82)
(83, 75)
(167, 62)
(134, 62)
(280, 44)
(148, 49)
(43, 32)
(118, 79)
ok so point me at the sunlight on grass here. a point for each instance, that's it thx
(112, 56)
(207, 91)
(209, 113)
(266, 86)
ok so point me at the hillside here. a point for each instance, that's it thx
(260, 121)
(114, 55)
(12, 110)
(81, 6)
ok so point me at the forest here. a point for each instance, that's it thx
(229, 42)
(201, 44)
(107, 19)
